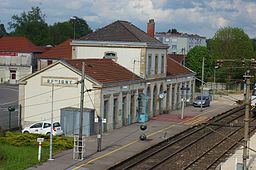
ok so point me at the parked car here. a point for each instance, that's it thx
(205, 101)
(44, 128)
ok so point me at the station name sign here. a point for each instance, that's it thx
(59, 81)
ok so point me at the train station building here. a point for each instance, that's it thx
(131, 75)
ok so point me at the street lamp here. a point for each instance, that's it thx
(202, 83)
(74, 23)
(214, 79)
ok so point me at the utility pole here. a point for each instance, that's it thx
(99, 136)
(202, 84)
(81, 113)
(246, 119)
(50, 157)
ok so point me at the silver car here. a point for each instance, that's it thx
(205, 101)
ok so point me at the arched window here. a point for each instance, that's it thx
(156, 64)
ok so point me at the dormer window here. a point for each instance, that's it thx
(110, 55)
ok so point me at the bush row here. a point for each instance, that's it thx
(27, 139)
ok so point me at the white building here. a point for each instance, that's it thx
(180, 43)
(146, 73)
(112, 96)
(16, 57)
(137, 51)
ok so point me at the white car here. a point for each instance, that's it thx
(44, 128)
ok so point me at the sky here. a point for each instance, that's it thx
(202, 17)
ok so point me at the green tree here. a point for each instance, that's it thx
(173, 30)
(194, 61)
(2, 30)
(61, 31)
(32, 25)
(231, 43)
(81, 27)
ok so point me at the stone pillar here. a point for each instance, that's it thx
(175, 97)
(119, 114)
(110, 113)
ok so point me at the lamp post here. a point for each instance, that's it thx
(202, 83)
(74, 23)
(50, 155)
(183, 100)
(10, 109)
(214, 79)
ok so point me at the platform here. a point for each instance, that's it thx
(123, 143)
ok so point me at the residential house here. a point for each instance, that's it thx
(16, 58)
(62, 51)
(180, 43)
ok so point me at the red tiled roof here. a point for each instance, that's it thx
(18, 44)
(61, 51)
(174, 68)
(177, 57)
(104, 70)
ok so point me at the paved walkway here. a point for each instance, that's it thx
(123, 143)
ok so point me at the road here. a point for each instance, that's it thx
(8, 97)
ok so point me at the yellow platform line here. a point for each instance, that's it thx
(151, 134)
(200, 119)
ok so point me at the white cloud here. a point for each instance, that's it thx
(92, 18)
(188, 15)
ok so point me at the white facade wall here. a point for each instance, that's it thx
(18, 64)
(125, 56)
(181, 44)
(153, 53)
(5, 73)
(36, 99)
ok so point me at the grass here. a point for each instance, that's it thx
(20, 151)
(20, 157)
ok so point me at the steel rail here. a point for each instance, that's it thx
(183, 148)
(215, 119)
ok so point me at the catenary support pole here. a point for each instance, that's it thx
(81, 112)
(246, 120)
(99, 136)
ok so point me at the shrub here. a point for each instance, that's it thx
(28, 139)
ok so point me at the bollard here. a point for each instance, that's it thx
(39, 140)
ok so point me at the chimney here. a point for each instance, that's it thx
(151, 28)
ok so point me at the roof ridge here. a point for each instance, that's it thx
(128, 29)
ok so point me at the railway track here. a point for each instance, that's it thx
(200, 147)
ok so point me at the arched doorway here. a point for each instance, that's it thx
(148, 106)
(154, 100)
(161, 100)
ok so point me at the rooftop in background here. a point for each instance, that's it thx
(61, 51)
(175, 69)
(177, 57)
(18, 44)
(179, 34)
(122, 31)
(104, 70)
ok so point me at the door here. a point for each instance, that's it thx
(124, 111)
(115, 108)
(36, 128)
(46, 128)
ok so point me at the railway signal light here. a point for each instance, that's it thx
(143, 135)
